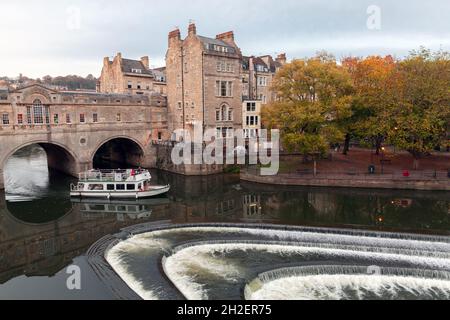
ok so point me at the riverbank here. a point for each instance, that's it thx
(438, 183)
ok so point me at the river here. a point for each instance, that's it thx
(42, 231)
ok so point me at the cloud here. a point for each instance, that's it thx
(38, 40)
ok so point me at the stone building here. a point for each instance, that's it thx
(257, 77)
(251, 118)
(126, 76)
(73, 126)
(204, 82)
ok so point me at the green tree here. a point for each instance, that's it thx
(314, 97)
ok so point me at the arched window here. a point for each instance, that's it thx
(40, 113)
(37, 112)
(225, 112)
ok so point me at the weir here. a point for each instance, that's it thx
(207, 247)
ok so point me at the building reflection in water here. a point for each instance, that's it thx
(42, 236)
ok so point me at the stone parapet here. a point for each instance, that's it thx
(367, 182)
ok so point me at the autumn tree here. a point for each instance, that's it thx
(419, 122)
(373, 80)
(314, 96)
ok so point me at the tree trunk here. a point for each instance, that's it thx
(378, 142)
(416, 164)
(347, 144)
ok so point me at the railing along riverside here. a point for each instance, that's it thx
(439, 175)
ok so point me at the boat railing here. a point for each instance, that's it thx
(116, 175)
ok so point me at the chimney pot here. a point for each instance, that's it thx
(192, 29)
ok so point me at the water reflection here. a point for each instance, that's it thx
(42, 230)
(27, 175)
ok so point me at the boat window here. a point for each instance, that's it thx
(96, 187)
(110, 187)
(120, 187)
(131, 186)
(97, 207)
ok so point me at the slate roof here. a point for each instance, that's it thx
(272, 67)
(128, 65)
(210, 42)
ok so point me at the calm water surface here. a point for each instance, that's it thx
(42, 231)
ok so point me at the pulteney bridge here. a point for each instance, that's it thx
(75, 128)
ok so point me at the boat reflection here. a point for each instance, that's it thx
(91, 209)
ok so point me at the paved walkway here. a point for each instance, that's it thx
(358, 161)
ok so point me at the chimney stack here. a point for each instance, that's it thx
(281, 58)
(227, 37)
(192, 30)
(119, 56)
(175, 34)
(146, 62)
(106, 61)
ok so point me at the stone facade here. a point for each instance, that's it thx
(204, 81)
(126, 76)
(72, 126)
(257, 77)
(251, 117)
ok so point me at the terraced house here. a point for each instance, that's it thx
(129, 76)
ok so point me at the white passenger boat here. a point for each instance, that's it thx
(129, 184)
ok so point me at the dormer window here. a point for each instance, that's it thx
(136, 70)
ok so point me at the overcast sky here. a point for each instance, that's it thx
(49, 37)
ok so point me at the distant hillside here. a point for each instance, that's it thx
(72, 82)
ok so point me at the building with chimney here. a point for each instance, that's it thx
(204, 83)
(257, 76)
(126, 76)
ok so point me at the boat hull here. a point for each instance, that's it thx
(155, 191)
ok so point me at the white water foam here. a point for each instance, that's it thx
(344, 287)
(115, 258)
(283, 235)
(179, 264)
(188, 261)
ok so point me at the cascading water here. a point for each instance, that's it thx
(270, 262)
(350, 283)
